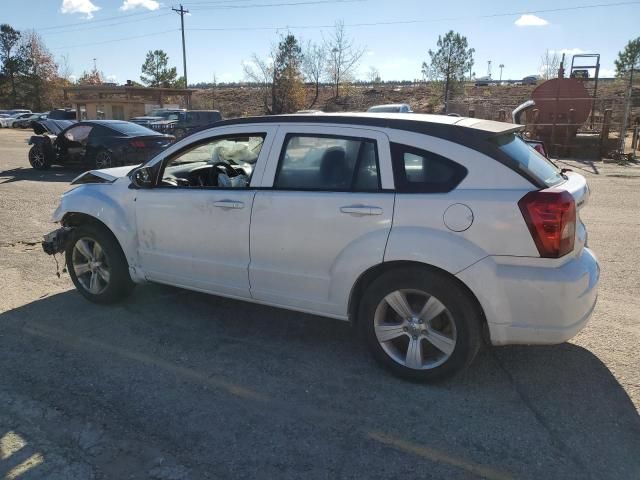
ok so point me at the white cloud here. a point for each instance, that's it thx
(79, 6)
(112, 78)
(528, 20)
(73, 78)
(370, 53)
(606, 73)
(132, 4)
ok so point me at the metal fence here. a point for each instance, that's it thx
(567, 133)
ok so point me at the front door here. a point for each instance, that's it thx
(193, 227)
(325, 219)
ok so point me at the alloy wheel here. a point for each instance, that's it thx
(415, 329)
(37, 157)
(91, 265)
(103, 160)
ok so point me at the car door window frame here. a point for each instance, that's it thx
(379, 138)
(354, 173)
(267, 134)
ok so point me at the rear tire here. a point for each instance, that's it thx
(103, 159)
(420, 324)
(97, 265)
(38, 158)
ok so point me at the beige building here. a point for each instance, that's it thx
(121, 102)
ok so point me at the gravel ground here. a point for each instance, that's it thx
(173, 384)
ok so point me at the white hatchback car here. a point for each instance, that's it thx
(431, 233)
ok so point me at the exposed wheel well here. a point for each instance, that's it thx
(75, 219)
(374, 272)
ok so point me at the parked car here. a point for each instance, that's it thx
(93, 143)
(423, 232)
(27, 122)
(530, 80)
(484, 82)
(580, 74)
(180, 124)
(157, 116)
(9, 121)
(391, 108)
(16, 111)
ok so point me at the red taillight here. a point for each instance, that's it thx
(551, 218)
(138, 144)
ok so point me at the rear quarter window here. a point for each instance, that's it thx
(420, 171)
(529, 161)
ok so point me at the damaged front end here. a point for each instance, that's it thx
(56, 241)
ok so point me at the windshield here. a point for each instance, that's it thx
(131, 129)
(529, 160)
(161, 113)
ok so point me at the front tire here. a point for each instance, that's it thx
(38, 158)
(420, 324)
(97, 265)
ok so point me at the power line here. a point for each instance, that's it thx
(94, 27)
(164, 32)
(419, 21)
(93, 22)
(265, 5)
(368, 24)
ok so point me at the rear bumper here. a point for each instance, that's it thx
(527, 304)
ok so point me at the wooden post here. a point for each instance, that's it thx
(604, 133)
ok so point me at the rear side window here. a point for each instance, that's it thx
(529, 160)
(420, 171)
(328, 163)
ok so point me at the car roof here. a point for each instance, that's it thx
(443, 126)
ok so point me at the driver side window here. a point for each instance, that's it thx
(222, 162)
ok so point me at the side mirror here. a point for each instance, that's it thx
(142, 178)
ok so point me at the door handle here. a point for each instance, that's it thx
(228, 204)
(361, 210)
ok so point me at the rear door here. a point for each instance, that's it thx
(322, 217)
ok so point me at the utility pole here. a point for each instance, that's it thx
(489, 69)
(181, 11)
(501, 67)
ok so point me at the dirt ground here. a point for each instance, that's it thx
(175, 385)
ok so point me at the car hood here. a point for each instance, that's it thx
(104, 175)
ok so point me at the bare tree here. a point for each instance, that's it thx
(343, 56)
(313, 66)
(549, 64)
(373, 75)
(260, 71)
(65, 70)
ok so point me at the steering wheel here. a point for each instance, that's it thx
(221, 166)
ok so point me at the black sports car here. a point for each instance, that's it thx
(93, 144)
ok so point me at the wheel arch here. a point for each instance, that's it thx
(368, 276)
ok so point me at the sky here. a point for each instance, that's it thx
(396, 35)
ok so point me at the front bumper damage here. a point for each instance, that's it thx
(56, 241)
